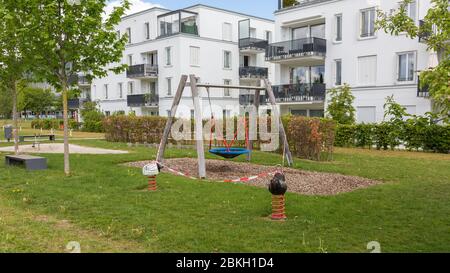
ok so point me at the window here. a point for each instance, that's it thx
(106, 91)
(108, 113)
(338, 30)
(120, 88)
(227, 59)
(226, 91)
(366, 114)
(169, 113)
(367, 70)
(316, 113)
(168, 56)
(302, 113)
(195, 55)
(406, 66)
(269, 36)
(227, 32)
(129, 35)
(169, 86)
(318, 31)
(192, 114)
(147, 30)
(411, 10)
(226, 114)
(367, 23)
(130, 88)
(130, 60)
(338, 72)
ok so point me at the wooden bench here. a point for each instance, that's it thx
(30, 162)
(50, 137)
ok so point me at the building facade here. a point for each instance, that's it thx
(216, 45)
(322, 44)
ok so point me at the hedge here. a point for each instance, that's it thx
(48, 124)
(385, 135)
(310, 138)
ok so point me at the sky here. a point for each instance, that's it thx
(261, 8)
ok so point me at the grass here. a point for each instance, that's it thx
(108, 204)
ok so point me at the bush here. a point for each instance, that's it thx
(92, 118)
(311, 138)
(47, 124)
(132, 129)
(416, 134)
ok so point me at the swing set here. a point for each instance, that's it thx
(228, 151)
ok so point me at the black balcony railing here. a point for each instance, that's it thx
(253, 72)
(304, 92)
(296, 48)
(142, 100)
(76, 103)
(79, 79)
(142, 71)
(422, 92)
(249, 99)
(253, 43)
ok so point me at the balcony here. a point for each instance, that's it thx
(80, 80)
(143, 100)
(179, 21)
(142, 71)
(77, 103)
(252, 45)
(253, 72)
(300, 52)
(249, 99)
(298, 93)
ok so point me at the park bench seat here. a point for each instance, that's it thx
(30, 162)
(50, 137)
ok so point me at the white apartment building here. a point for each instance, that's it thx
(321, 44)
(218, 46)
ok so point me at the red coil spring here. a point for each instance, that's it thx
(152, 186)
(278, 207)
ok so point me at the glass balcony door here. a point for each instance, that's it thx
(308, 75)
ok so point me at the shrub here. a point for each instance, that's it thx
(132, 129)
(92, 118)
(311, 138)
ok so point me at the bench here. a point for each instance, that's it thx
(50, 137)
(31, 163)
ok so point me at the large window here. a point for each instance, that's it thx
(227, 32)
(411, 9)
(178, 21)
(130, 88)
(406, 66)
(168, 51)
(194, 55)
(367, 70)
(307, 74)
(316, 31)
(368, 23)
(227, 59)
(338, 28)
(130, 60)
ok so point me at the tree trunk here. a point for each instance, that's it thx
(15, 118)
(66, 131)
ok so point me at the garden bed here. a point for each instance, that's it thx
(303, 182)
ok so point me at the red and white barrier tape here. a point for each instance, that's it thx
(242, 179)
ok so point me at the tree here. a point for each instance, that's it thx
(340, 106)
(92, 117)
(5, 103)
(74, 37)
(15, 52)
(435, 31)
(37, 100)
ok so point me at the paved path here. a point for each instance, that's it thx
(58, 148)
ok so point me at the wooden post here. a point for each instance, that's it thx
(198, 128)
(250, 142)
(277, 114)
(173, 111)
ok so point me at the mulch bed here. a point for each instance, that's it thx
(303, 182)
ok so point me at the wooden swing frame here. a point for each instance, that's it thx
(198, 118)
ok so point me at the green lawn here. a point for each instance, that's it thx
(107, 209)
